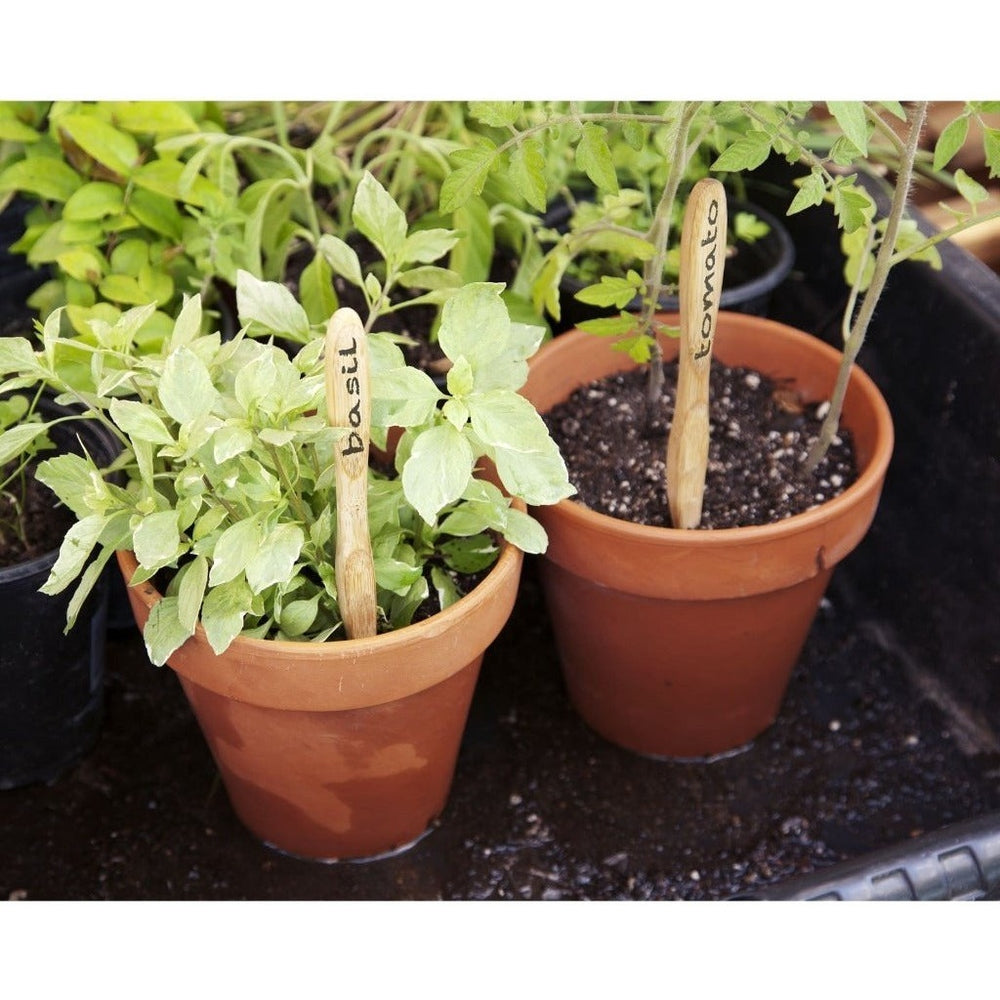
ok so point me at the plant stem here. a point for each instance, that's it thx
(659, 234)
(883, 264)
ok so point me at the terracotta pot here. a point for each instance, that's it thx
(681, 643)
(344, 749)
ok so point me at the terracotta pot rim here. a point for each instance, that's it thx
(342, 674)
(868, 480)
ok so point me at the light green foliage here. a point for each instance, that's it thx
(229, 459)
(23, 436)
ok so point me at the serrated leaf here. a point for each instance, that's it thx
(850, 116)
(593, 156)
(498, 114)
(609, 291)
(746, 153)
(471, 168)
(528, 173)
(811, 191)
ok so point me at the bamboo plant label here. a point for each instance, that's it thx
(703, 254)
(349, 406)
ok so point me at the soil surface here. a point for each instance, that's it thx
(31, 522)
(615, 449)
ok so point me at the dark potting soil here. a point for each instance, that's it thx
(43, 523)
(760, 433)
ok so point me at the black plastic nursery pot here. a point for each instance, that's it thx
(51, 683)
(752, 273)
(878, 779)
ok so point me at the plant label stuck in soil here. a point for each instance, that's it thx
(703, 250)
(349, 406)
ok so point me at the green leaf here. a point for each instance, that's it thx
(164, 633)
(403, 397)
(427, 245)
(274, 560)
(950, 141)
(96, 200)
(969, 188)
(114, 149)
(139, 421)
(156, 212)
(528, 173)
(77, 544)
(152, 117)
(316, 291)
(471, 168)
(527, 459)
(342, 258)
(850, 116)
(437, 470)
(525, 532)
(43, 176)
(379, 218)
(746, 153)
(234, 549)
(185, 388)
(593, 156)
(610, 291)
(15, 440)
(472, 255)
(156, 540)
(498, 114)
(297, 617)
(610, 326)
(812, 190)
(991, 148)
(272, 305)
(853, 205)
(191, 592)
(17, 355)
(470, 555)
(222, 614)
(444, 585)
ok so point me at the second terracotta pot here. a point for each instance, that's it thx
(681, 643)
(343, 749)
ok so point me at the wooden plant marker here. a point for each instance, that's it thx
(703, 255)
(348, 405)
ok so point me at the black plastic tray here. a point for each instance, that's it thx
(888, 736)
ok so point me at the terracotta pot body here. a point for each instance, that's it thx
(344, 749)
(681, 643)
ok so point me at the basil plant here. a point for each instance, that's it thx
(228, 475)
